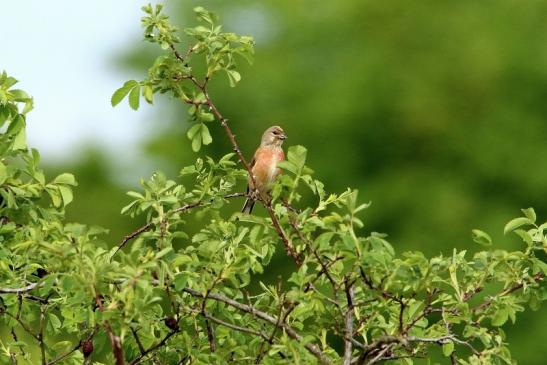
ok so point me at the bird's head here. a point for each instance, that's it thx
(273, 137)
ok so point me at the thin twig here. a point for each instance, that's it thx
(74, 349)
(181, 209)
(41, 334)
(19, 290)
(313, 349)
(23, 325)
(153, 348)
(231, 136)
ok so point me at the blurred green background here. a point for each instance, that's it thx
(435, 110)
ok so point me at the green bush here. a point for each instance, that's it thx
(164, 295)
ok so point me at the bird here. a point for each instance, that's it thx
(264, 166)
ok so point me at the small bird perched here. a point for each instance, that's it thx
(264, 165)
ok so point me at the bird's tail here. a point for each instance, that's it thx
(248, 206)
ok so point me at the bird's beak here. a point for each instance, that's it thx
(283, 137)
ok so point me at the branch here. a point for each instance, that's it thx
(277, 226)
(229, 133)
(313, 349)
(137, 339)
(233, 326)
(41, 334)
(181, 209)
(280, 320)
(23, 325)
(115, 341)
(24, 289)
(537, 277)
(153, 348)
(349, 324)
(132, 235)
(74, 349)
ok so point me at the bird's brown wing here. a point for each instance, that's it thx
(249, 203)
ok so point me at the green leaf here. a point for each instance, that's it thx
(234, 77)
(163, 252)
(148, 94)
(66, 194)
(205, 135)
(3, 173)
(297, 155)
(134, 97)
(16, 125)
(289, 166)
(515, 223)
(204, 14)
(481, 237)
(193, 131)
(128, 207)
(54, 321)
(19, 95)
(196, 143)
(500, 317)
(20, 140)
(122, 92)
(530, 214)
(448, 348)
(55, 197)
(65, 178)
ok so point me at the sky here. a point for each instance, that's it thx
(63, 53)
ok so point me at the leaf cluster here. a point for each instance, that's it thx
(168, 295)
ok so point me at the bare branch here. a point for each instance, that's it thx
(19, 290)
(350, 290)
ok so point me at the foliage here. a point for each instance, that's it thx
(170, 296)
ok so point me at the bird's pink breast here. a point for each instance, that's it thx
(265, 170)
